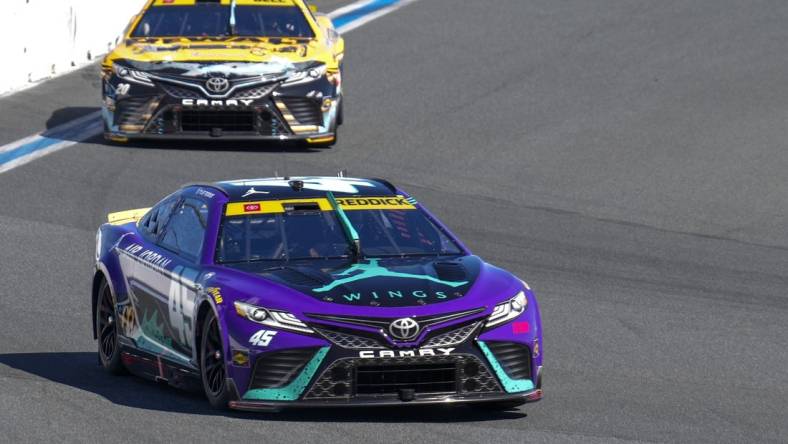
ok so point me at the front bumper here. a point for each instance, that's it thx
(453, 366)
(271, 111)
(273, 406)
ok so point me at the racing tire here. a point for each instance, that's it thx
(212, 367)
(107, 331)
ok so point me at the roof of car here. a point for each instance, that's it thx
(272, 188)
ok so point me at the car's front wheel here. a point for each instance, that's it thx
(212, 365)
(107, 331)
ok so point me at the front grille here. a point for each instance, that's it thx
(277, 369)
(230, 121)
(424, 321)
(425, 378)
(257, 92)
(349, 341)
(180, 92)
(305, 110)
(514, 358)
(452, 337)
(426, 375)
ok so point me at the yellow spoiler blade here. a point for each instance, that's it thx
(124, 217)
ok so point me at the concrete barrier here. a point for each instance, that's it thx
(44, 38)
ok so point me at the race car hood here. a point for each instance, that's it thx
(247, 50)
(380, 282)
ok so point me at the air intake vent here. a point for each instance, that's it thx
(277, 369)
(423, 378)
(514, 358)
(450, 271)
(230, 121)
(306, 111)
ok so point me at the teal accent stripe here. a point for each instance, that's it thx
(351, 232)
(509, 384)
(291, 391)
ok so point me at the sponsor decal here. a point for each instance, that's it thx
(519, 328)
(374, 203)
(128, 319)
(419, 295)
(217, 85)
(252, 191)
(404, 329)
(240, 358)
(359, 272)
(148, 256)
(405, 353)
(262, 338)
(216, 293)
(219, 103)
(250, 208)
(205, 193)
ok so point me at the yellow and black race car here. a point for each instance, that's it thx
(241, 69)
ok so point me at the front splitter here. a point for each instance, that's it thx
(363, 401)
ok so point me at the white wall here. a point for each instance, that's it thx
(43, 38)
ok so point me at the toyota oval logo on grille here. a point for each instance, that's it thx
(404, 329)
(217, 84)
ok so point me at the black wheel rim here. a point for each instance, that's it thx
(212, 359)
(107, 327)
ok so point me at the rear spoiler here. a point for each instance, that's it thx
(124, 217)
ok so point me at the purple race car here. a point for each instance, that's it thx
(310, 292)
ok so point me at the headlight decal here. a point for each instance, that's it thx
(131, 75)
(508, 310)
(272, 318)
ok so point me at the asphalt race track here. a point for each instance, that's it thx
(627, 158)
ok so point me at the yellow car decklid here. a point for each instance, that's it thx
(226, 2)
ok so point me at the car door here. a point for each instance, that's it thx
(183, 238)
(147, 268)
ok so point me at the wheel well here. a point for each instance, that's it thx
(205, 308)
(98, 279)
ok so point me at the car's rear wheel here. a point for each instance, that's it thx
(107, 330)
(212, 365)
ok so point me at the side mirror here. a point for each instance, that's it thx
(313, 8)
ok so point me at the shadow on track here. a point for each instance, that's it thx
(67, 114)
(81, 371)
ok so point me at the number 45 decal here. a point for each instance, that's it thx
(262, 338)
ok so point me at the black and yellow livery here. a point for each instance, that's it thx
(237, 69)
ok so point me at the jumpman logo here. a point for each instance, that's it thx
(253, 191)
(372, 270)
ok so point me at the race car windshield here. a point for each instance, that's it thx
(304, 235)
(213, 20)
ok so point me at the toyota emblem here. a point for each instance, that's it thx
(404, 329)
(217, 84)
